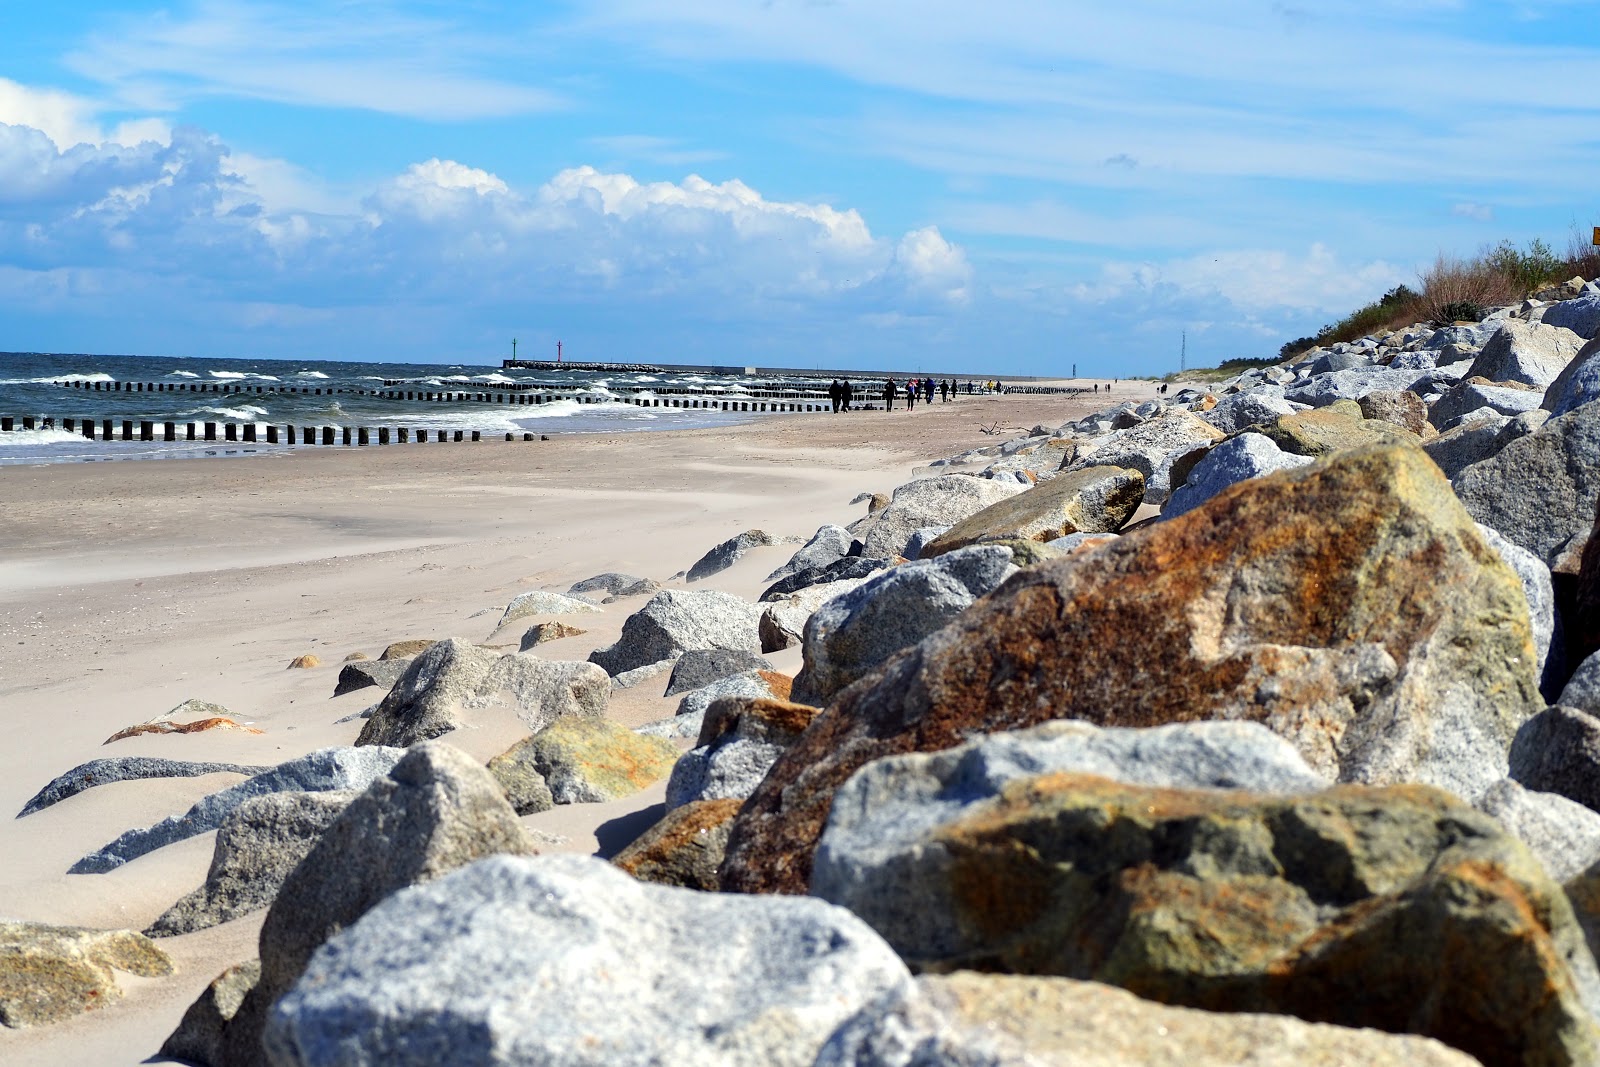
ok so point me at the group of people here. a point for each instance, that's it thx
(842, 394)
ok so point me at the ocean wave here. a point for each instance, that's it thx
(493, 377)
(236, 375)
(313, 374)
(244, 413)
(59, 379)
(182, 374)
(24, 438)
(646, 378)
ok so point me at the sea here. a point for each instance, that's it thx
(283, 392)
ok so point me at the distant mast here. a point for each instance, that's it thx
(1183, 353)
(558, 351)
(513, 349)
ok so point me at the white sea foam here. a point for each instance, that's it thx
(244, 413)
(234, 375)
(59, 379)
(646, 378)
(314, 374)
(182, 374)
(493, 378)
(25, 438)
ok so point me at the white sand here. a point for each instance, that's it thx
(127, 588)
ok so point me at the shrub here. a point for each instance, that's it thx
(1452, 284)
(1583, 258)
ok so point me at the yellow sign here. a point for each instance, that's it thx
(1597, 235)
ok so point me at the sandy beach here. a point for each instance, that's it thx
(128, 588)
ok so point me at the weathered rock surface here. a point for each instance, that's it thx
(1471, 441)
(1086, 500)
(437, 810)
(125, 769)
(409, 648)
(627, 974)
(1582, 690)
(1536, 589)
(614, 586)
(676, 620)
(1472, 394)
(1532, 353)
(325, 770)
(727, 554)
(1240, 411)
(365, 673)
(996, 1020)
(453, 676)
(702, 666)
(1404, 409)
(1338, 427)
(1238, 459)
(1563, 834)
(1578, 384)
(1351, 606)
(941, 501)
(1324, 390)
(1397, 908)
(542, 632)
(540, 602)
(853, 634)
(740, 738)
(690, 715)
(167, 726)
(199, 1036)
(847, 569)
(1153, 449)
(684, 848)
(258, 844)
(1540, 490)
(1558, 751)
(50, 973)
(588, 761)
(829, 544)
(1581, 316)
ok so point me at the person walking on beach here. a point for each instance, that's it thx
(944, 391)
(836, 395)
(846, 394)
(911, 394)
(888, 394)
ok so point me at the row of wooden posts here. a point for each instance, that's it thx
(146, 430)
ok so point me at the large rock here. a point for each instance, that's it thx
(1470, 441)
(541, 602)
(1582, 690)
(829, 544)
(783, 621)
(326, 770)
(1531, 353)
(1238, 459)
(365, 673)
(690, 715)
(50, 973)
(1540, 490)
(625, 973)
(199, 1037)
(702, 666)
(1558, 751)
(589, 761)
(126, 769)
(1581, 316)
(258, 844)
(1153, 449)
(1240, 411)
(740, 738)
(614, 586)
(999, 1020)
(436, 811)
(941, 501)
(1397, 908)
(452, 677)
(727, 554)
(1321, 390)
(1540, 594)
(543, 632)
(846, 569)
(1351, 606)
(852, 634)
(1335, 428)
(676, 620)
(1472, 394)
(683, 849)
(1404, 409)
(1087, 500)
(1563, 834)
(1578, 384)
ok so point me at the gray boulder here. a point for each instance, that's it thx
(739, 740)
(921, 539)
(1558, 751)
(1475, 438)
(1470, 396)
(452, 677)
(125, 769)
(1564, 834)
(199, 1034)
(828, 544)
(702, 666)
(1243, 410)
(1581, 316)
(1578, 384)
(626, 974)
(541, 602)
(1323, 389)
(365, 673)
(686, 721)
(1582, 690)
(1528, 352)
(942, 501)
(968, 1019)
(325, 770)
(613, 586)
(852, 634)
(1536, 586)
(848, 568)
(727, 554)
(676, 620)
(258, 844)
(437, 810)
(783, 621)
(1248, 455)
(1152, 448)
(1540, 491)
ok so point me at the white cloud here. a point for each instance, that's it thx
(1476, 212)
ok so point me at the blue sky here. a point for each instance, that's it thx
(1012, 188)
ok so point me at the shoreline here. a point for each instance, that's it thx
(125, 590)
